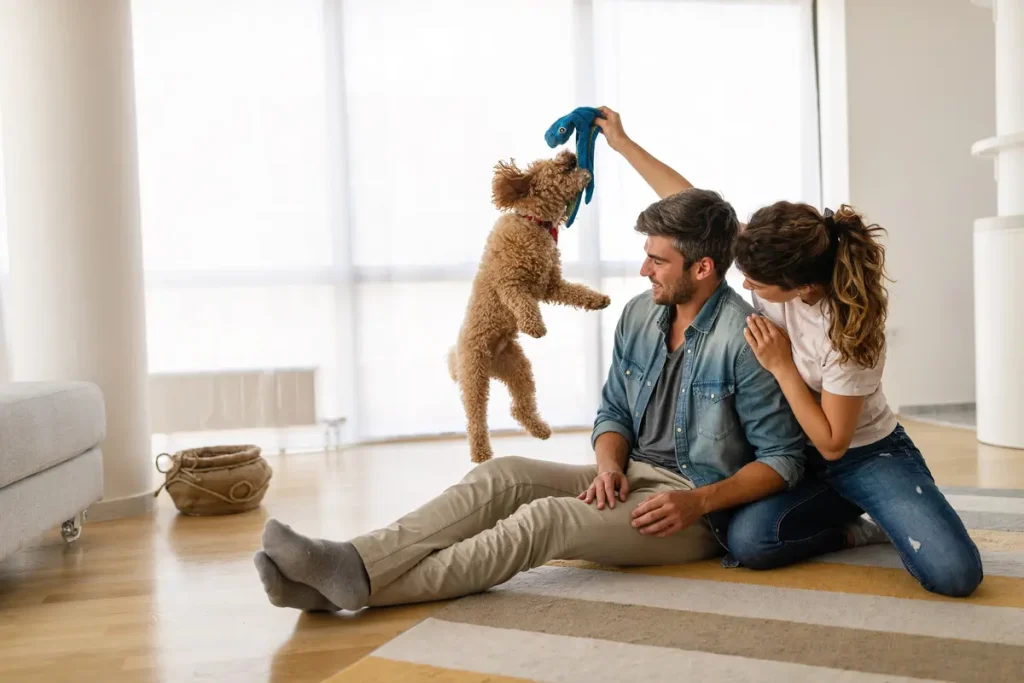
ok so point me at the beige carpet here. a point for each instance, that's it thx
(853, 616)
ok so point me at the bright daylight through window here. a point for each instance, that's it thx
(315, 176)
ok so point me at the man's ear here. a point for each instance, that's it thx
(509, 184)
(705, 268)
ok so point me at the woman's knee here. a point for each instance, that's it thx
(752, 540)
(957, 574)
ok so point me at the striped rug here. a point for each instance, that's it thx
(854, 616)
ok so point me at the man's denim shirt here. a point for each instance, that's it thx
(731, 410)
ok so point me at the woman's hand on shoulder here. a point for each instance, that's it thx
(770, 343)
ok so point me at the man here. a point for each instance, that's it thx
(689, 427)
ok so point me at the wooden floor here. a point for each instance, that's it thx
(171, 598)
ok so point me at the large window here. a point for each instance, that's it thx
(315, 174)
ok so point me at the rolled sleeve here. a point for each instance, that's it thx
(786, 467)
(768, 421)
(605, 426)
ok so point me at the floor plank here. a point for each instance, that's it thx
(166, 597)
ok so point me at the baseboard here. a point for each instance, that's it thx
(118, 508)
(933, 407)
(959, 415)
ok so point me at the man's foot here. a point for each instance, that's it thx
(284, 593)
(863, 531)
(334, 570)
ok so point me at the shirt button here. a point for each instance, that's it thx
(627, 372)
(684, 467)
(679, 429)
(712, 395)
(689, 350)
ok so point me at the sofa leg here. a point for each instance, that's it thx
(72, 528)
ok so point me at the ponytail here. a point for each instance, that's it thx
(856, 296)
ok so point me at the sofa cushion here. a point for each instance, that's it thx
(43, 424)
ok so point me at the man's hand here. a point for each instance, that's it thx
(611, 125)
(663, 514)
(604, 488)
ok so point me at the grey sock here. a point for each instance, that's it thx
(863, 531)
(285, 593)
(335, 570)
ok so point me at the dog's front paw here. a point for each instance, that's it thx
(600, 302)
(539, 429)
(535, 329)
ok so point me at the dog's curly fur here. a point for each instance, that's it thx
(520, 268)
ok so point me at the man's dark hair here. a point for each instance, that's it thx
(699, 222)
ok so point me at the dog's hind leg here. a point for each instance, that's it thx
(474, 381)
(512, 367)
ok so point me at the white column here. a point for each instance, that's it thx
(77, 297)
(999, 246)
(5, 369)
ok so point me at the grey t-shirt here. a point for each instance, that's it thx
(656, 442)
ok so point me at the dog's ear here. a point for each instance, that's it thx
(509, 184)
(566, 159)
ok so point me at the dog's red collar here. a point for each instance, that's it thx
(547, 225)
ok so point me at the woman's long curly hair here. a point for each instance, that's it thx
(792, 245)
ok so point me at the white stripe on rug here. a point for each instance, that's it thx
(545, 657)
(848, 610)
(964, 503)
(994, 562)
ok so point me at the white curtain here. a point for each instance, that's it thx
(316, 174)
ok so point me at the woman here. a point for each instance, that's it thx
(817, 282)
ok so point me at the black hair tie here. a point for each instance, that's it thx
(831, 226)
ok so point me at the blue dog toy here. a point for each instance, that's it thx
(580, 120)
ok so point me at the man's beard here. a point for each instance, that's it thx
(680, 292)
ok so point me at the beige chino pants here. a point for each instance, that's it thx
(511, 514)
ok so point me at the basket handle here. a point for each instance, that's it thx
(164, 455)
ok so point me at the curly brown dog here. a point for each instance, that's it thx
(519, 269)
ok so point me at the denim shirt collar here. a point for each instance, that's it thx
(707, 315)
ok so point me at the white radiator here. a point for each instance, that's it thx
(233, 399)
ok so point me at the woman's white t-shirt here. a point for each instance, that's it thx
(818, 364)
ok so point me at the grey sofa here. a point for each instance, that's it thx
(51, 467)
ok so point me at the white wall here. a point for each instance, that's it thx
(907, 87)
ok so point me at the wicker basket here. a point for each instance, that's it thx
(217, 480)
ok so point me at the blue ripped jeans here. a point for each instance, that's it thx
(891, 482)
